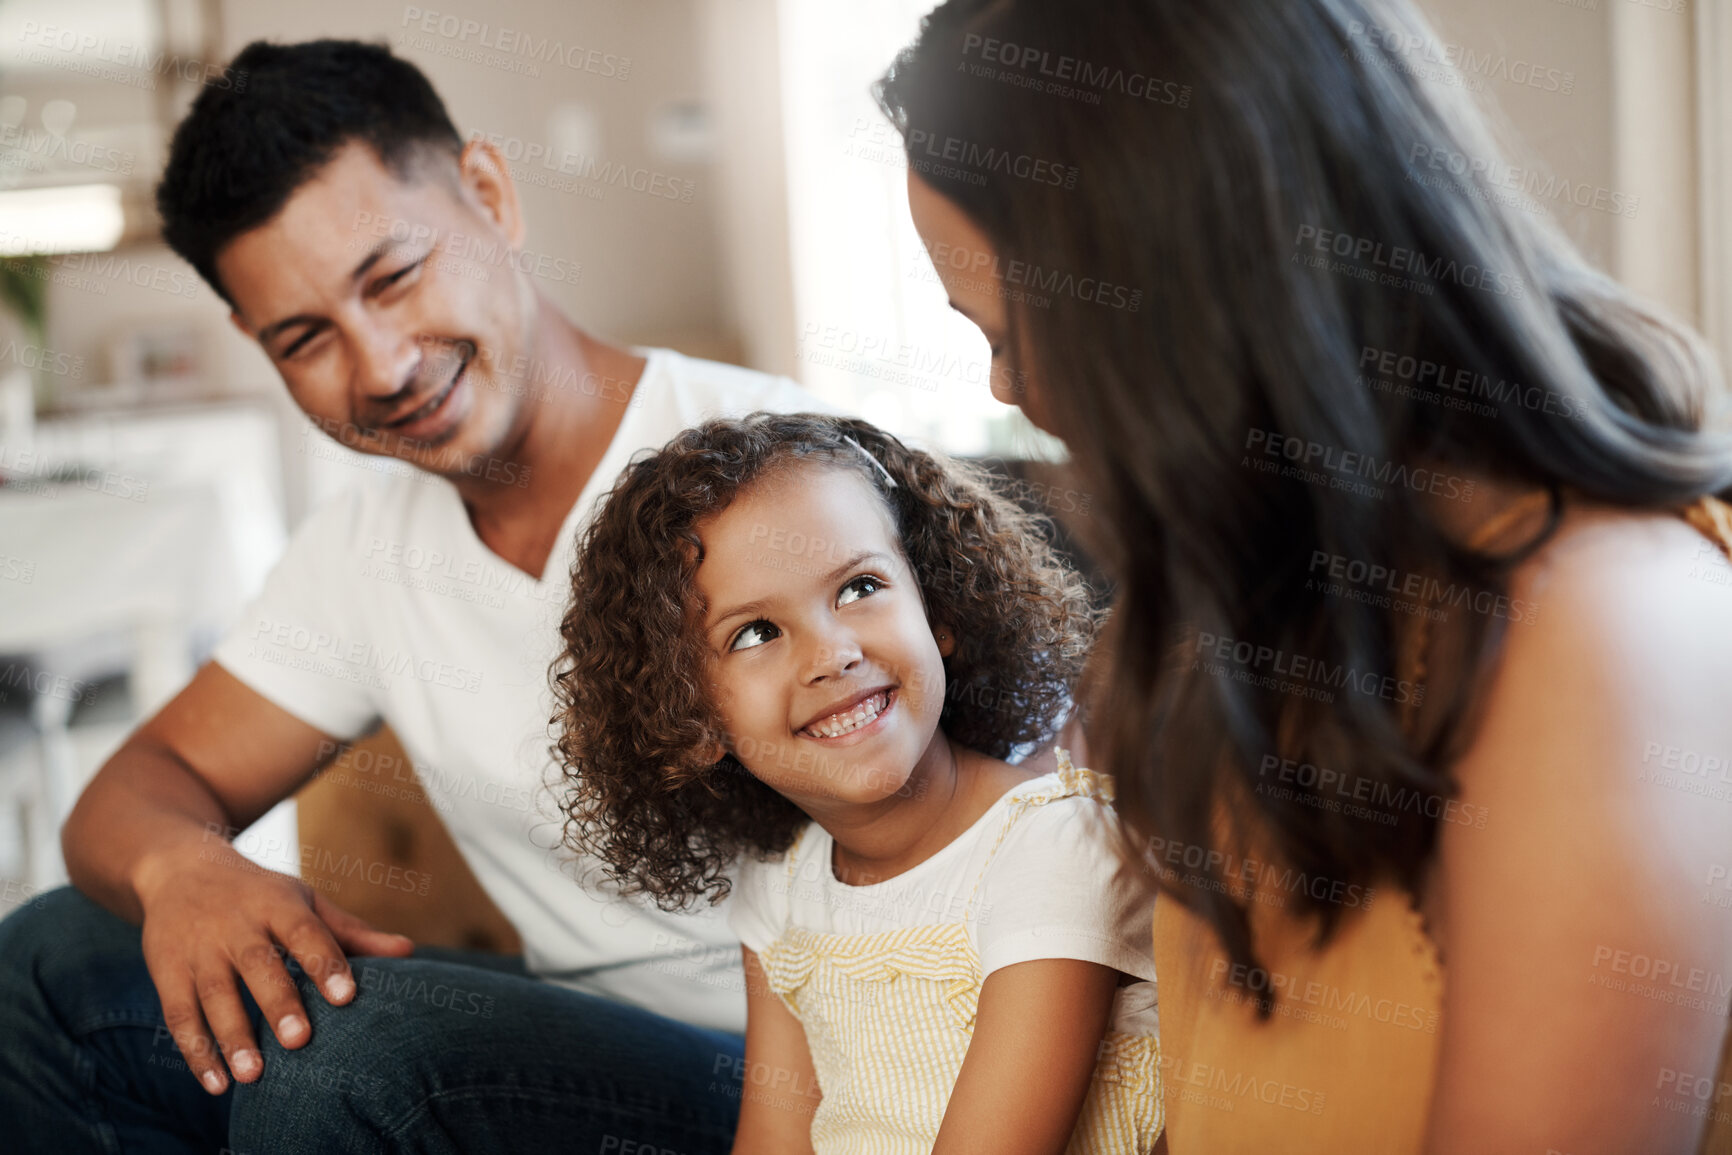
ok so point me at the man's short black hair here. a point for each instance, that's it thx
(241, 153)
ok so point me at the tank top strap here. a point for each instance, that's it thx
(1073, 781)
(1712, 518)
(792, 856)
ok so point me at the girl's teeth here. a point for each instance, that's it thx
(852, 720)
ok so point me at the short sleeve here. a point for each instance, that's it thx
(295, 643)
(1057, 889)
(758, 908)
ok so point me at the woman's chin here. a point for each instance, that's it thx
(1025, 401)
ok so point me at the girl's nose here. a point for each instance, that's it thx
(831, 656)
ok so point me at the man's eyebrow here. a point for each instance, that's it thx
(762, 603)
(963, 311)
(367, 262)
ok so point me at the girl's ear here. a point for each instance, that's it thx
(946, 639)
(714, 753)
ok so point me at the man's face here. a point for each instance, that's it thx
(388, 336)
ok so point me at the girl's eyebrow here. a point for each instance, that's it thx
(757, 607)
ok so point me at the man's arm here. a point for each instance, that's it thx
(142, 842)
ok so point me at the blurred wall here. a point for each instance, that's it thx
(1607, 115)
(649, 263)
(621, 83)
(1610, 124)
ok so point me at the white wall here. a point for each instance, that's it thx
(651, 269)
(1627, 130)
(714, 275)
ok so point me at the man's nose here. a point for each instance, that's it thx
(385, 363)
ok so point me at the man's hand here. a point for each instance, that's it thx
(212, 919)
(141, 842)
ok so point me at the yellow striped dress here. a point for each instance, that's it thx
(889, 1015)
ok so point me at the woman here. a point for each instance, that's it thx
(1417, 686)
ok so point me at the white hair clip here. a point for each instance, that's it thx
(888, 480)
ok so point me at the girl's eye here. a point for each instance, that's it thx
(863, 586)
(753, 634)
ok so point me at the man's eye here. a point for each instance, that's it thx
(298, 344)
(400, 275)
(863, 586)
(753, 634)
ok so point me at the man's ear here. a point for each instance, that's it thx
(486, 176)
(946, 639)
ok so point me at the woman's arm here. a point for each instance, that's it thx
(780, 1091)
(1036, 1037)
(1586, 967)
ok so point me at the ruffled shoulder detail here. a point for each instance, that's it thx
(1076, 780)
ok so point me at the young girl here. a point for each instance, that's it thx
(796, 639)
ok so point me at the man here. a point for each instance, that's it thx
(322, 203)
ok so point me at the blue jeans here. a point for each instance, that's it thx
(454, 1053)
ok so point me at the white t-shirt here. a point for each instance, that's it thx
(1053, 889)
(386, 606)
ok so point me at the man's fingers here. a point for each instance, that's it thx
(186, 1026)
(275, 992)
(220, 998)
(314, 947)
(354, 933)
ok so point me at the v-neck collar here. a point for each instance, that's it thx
(613, 459)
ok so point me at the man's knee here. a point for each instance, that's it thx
(61, 933)
(363, 1061)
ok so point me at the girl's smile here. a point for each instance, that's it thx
(857, 718)
(828, 646)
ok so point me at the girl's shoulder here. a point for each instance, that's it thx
(811, 839)
(1065, 788)
(1065, 815)
(761, 900)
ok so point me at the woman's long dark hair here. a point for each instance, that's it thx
(1257, 178)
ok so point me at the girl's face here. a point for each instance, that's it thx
(828, 677)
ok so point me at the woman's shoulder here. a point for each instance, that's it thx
(1627, 614)
(1643, 597)
(1573, 921)
(1613, 682)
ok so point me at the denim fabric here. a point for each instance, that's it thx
(442, 1052)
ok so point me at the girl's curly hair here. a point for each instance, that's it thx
(635, 717)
